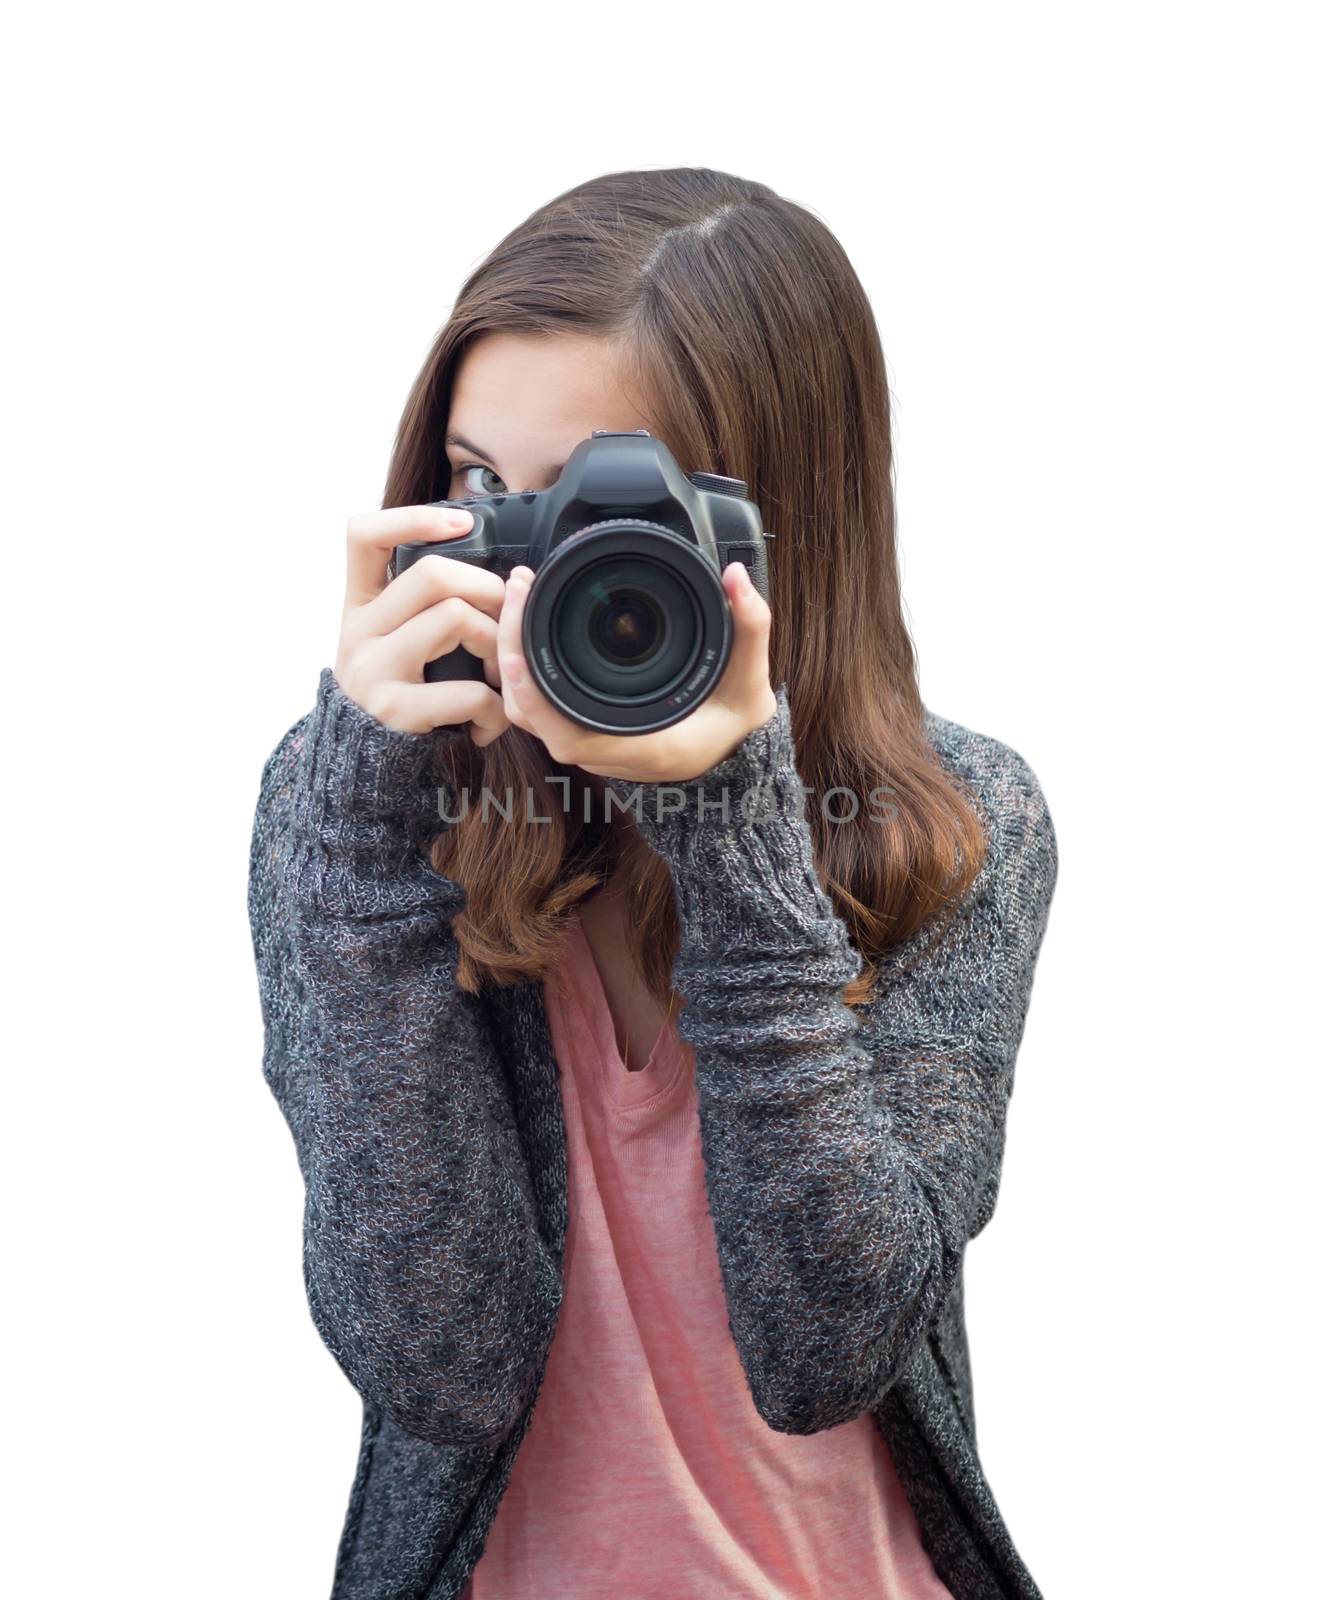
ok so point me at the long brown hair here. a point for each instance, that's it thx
(757, 356)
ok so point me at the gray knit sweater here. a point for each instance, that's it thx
(849, 1157)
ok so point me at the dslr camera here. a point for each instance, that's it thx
(627, 627)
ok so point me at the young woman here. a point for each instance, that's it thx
(642, 1142)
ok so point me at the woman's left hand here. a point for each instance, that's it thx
(741, 701)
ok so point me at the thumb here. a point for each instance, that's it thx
(747, 678)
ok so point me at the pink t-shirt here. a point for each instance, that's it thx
(647, 1470)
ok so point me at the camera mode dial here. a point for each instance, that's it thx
(712, 481)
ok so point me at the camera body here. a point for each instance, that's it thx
(627, 627)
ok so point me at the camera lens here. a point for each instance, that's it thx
(626, 627)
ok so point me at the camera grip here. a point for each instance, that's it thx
(458, 664)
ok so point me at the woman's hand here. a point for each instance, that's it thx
(741, 701)
(389, 630)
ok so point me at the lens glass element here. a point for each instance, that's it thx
(626, 627)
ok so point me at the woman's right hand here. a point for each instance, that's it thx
(390, 629)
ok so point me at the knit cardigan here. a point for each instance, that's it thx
(850, 1154)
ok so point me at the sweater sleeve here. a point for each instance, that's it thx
(427, 1276)
(849, 1158)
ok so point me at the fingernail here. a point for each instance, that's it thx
(459, 519)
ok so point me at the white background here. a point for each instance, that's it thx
(1091, 238)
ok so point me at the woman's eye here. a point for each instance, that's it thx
(495, 484)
